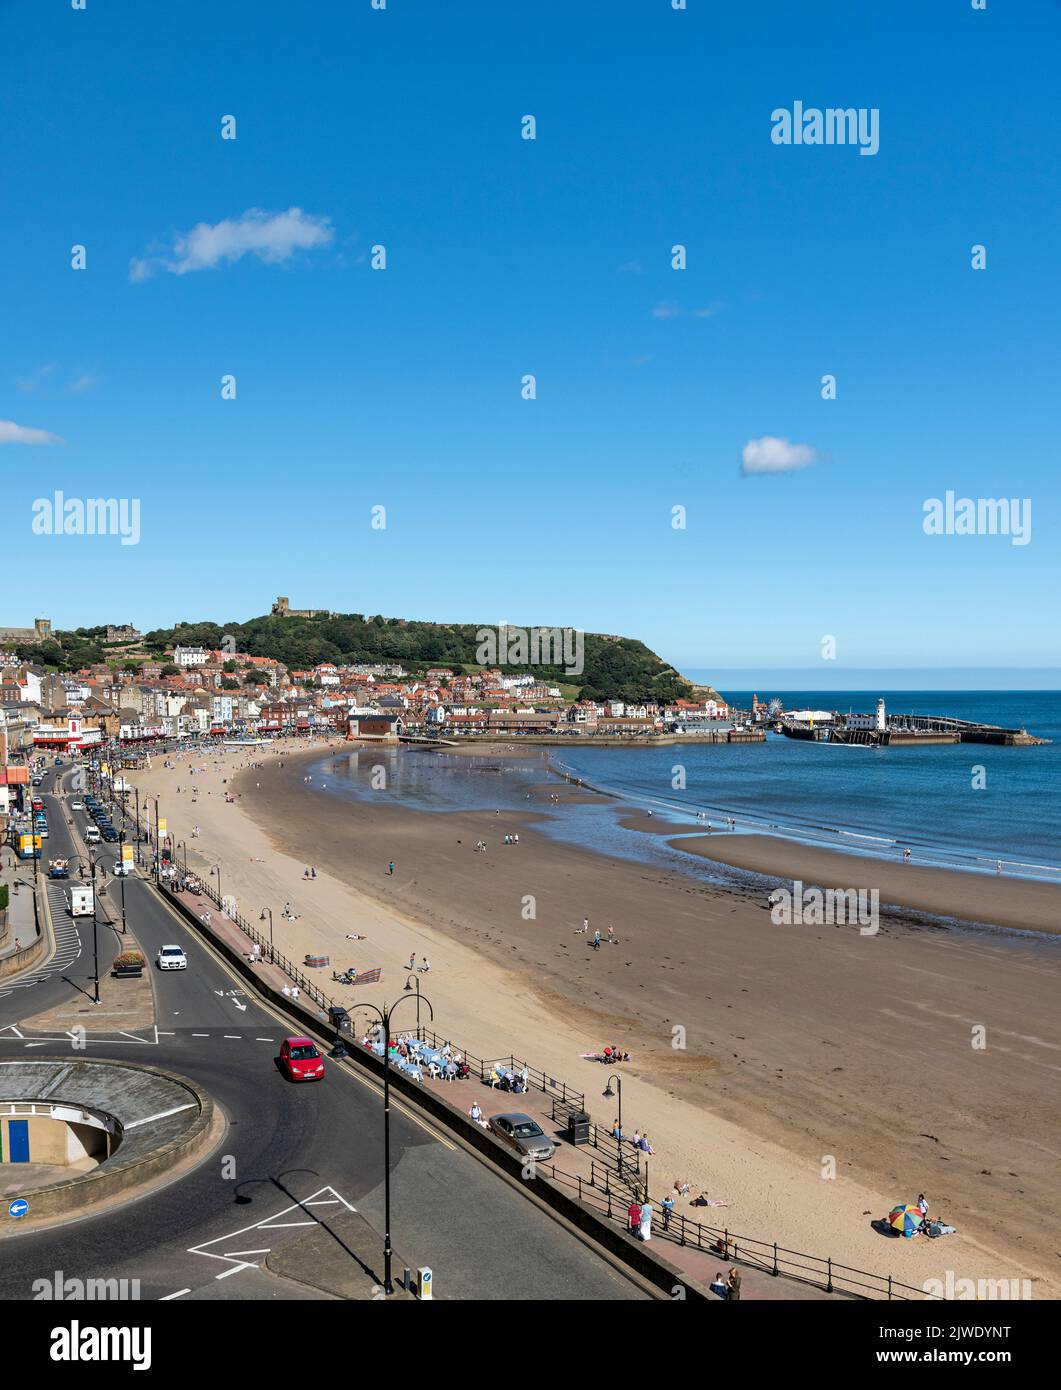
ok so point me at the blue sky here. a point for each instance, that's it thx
(401, 387)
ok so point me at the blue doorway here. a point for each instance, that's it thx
(18, 1141)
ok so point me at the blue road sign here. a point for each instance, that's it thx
(18, 1208)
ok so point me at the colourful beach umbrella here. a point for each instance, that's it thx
(906, 1219)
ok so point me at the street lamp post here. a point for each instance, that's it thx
(136, 790)
(608, 1093)
(385, 1020)
(158, 847)
(121, 865)
(95, 936)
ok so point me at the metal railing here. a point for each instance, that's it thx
(603, 1194)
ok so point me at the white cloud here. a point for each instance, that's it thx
(272, 237)
(670, 309)
(31, 383)
(10, 433)
(772, 455)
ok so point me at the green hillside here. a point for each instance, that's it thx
(614, 667)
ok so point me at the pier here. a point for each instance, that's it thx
(908, 730)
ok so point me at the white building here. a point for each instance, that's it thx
(876, 722)
(190, 656)
(808, 716)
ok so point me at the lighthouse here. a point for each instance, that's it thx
(881, 721)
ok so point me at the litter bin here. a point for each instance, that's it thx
(578, 1128)
(338, 1016)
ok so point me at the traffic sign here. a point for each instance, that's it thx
(18, 1208)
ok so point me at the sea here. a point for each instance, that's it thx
(970, 806)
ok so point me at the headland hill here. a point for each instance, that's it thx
(398, 679)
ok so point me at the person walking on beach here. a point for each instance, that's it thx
(596, 940)
(390, 868)
(412, 960)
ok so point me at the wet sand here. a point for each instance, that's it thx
(801, 1044)
(1020, 904)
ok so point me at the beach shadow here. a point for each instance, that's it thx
(883, 1229)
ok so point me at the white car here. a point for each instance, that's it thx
(77, 806)
(171, 958)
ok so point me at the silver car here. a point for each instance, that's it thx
(523, 1135)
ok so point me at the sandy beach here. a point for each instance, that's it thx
(805, 1049)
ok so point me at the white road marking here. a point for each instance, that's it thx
(174, 1295)
(326, 1196)
(235, 1037)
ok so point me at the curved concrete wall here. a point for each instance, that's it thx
(164, 1120)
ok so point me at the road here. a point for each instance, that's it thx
(292, 1154)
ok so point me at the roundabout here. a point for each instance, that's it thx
(75, 1134)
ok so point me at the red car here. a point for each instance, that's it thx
(301, 1059)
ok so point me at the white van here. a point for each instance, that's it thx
(80, 900)
(92, 835)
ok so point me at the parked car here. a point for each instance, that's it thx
(92, 835)
(110, 835)
(171, 958)
(77, 806)
(301, 1060)
(522, 1134)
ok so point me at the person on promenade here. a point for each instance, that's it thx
(733, 1284)
(646, 1220)
(633, 1217)
(477, 1115)
(718, 1285)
